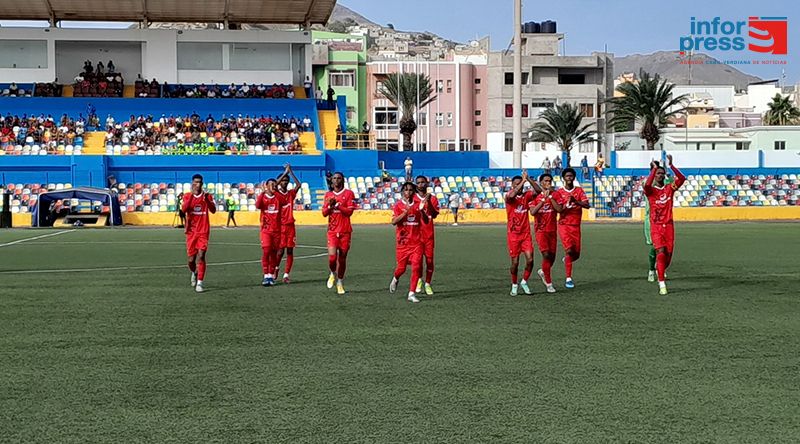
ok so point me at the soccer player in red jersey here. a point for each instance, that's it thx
(409, 214)
(338, 207)
(662, 228)
(270, 205)
(427, 229)
(573, 200)
(196, 205)
(288, 231)
(544, 209)
(519, 229)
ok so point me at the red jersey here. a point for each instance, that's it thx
(517, 213)
(339, 216)
(572, 213)
(409, 230)
(545, 218)
(660, 199)
(433, 211)
(270, 207)
(196, 209)
(287, 205)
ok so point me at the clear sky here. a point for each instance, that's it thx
(626, 26)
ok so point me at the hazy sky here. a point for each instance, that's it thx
(626, 26)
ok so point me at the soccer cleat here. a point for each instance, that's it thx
(265, 282)
(199, 287)
(525, 288)
(455, 224)
(569, 283)
(428, 289)
(662, 288)
(331, 280)
(541, 276)
(286, 278)
(550, 288)
(393, 285)
(513, 289)
(340, 288)
(194, 279)
(412, 297)
(419, 286)
(651, 276)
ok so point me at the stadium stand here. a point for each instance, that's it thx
(232, 91)
(32, 135)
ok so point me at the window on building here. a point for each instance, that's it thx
(447, 145)
(477, 112)
(477, 81)
(387, 144)
(477, 123)
(524, 110)
(509, 142)
(449, 119)
(509, 110)
(476, 147)
(587, 109)
(571, 79)
(465, 145)
(742, 146)
(449, 86)
(342, 79)
(509, 78)
(379, 87)
(422, 118)
(780, 144)
(538, 107)
(697, 146)
(525, 77)
(439, 86)
(439, 119)
(422, 146)
(385, 117)
(477, 91)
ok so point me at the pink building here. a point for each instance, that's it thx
(455, 121)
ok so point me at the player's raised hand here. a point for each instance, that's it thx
(524, 174)
(669, 158)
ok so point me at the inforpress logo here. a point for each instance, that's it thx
(758, 34)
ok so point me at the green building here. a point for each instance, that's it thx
(340, 60)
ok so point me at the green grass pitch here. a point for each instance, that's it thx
(134, 355)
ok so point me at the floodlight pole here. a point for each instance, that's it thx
(517, 101)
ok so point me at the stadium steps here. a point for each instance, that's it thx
(67, 91)
(94, 142)
(328, 121)
(129, 91)
(299, 92)
(308, 141)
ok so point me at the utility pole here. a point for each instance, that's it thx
(517, 105)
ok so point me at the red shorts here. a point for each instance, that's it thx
(547, 241)
(288, 236)
(519, 243)
(570, 237)
(270, 241)
(407, 254)
(195, 243)
(340, 241)
(663, 235)
(427, 248)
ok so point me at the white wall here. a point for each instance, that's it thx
(781, 159)
(158, 57)
(758, 96)
(228, 77)
(722, 95)
(690, 159)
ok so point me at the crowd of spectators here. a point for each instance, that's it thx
(145, 132)
(14, 90)
(40, 130)
(232, 91)
(51, 89)
(143, 88)
(99, 81)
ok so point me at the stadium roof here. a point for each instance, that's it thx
(235, 11)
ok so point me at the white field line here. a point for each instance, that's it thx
(244, 244)
(29, 239)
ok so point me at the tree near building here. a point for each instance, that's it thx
(648, 104)
(406, 91)
(781, 112)
(563, 126)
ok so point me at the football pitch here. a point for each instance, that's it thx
(103, 340)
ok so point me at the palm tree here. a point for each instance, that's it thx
(781, 111)
(648, 103)
(562, 125)
(406, 91)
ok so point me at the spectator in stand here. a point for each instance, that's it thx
(546, 165)
(100, 69)
(290, 94)
(111, 68)
(557, 165)
(318, 94)
(408, 164)
(600, 165)
(585, 168)
(307, 123)
(331, 93)
(307, 86)
(13, 90)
